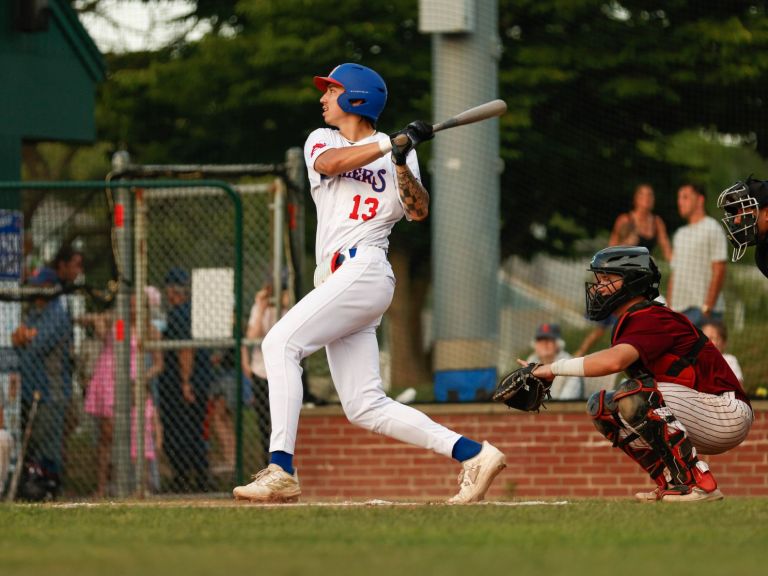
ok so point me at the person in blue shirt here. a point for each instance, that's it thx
(184, 388)
(43, 343)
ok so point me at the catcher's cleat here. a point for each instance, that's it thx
(690, 494)
(705, 488)
(273, 484)
(477, 474)
(654, 495)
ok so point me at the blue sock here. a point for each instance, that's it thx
(464, 449)
(282, 459)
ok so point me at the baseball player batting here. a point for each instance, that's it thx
(745, 218)
(362, 183)
(681, 398)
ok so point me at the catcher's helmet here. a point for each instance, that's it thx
(360, 84)
(741, 203)
(639, 273)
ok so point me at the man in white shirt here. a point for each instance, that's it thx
(699, 250)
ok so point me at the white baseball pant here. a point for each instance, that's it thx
(342, 314)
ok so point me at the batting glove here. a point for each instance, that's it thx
(416, 132)
(399, 153)
(419, 132)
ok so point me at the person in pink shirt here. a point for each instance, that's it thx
(100, 394)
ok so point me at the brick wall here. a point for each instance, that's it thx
(556, 454)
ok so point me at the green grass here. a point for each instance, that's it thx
(584, 537)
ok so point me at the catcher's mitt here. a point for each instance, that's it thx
(522, 390)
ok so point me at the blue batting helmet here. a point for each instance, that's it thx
(360, 84)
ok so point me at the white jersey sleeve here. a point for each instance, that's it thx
(318, 142)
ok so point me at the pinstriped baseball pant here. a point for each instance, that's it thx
(714, 423)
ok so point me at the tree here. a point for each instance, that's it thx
(589, 82)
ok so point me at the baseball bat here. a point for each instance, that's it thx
(22, 452)
(483, 112)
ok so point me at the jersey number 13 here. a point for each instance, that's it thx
(369, 208)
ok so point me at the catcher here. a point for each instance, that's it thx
(681, 399)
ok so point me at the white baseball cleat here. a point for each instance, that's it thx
(273, 484)
(478, 473)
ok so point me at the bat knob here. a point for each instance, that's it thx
(400, 140)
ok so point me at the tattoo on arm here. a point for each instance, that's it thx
(413, 194)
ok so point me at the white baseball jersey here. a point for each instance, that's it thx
(356, 208)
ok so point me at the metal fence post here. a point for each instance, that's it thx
(296, 173)
(278, 249)
(140, 274)
(121, 444)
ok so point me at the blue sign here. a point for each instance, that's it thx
(11, 244)
(9, 361)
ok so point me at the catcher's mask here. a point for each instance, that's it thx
(741, 203)
(639, 274)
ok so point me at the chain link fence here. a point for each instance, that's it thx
(46, 347)
(67, 331)
(139, 292)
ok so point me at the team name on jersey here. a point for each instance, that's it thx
(376, 181)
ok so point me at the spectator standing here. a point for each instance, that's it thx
(184, 387)
(640, 226)
(100, 395)
(69, 267)
(222, 405)
(548, 346)
(698, 262)
(44, 344)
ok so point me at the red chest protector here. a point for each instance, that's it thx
(668, 367)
